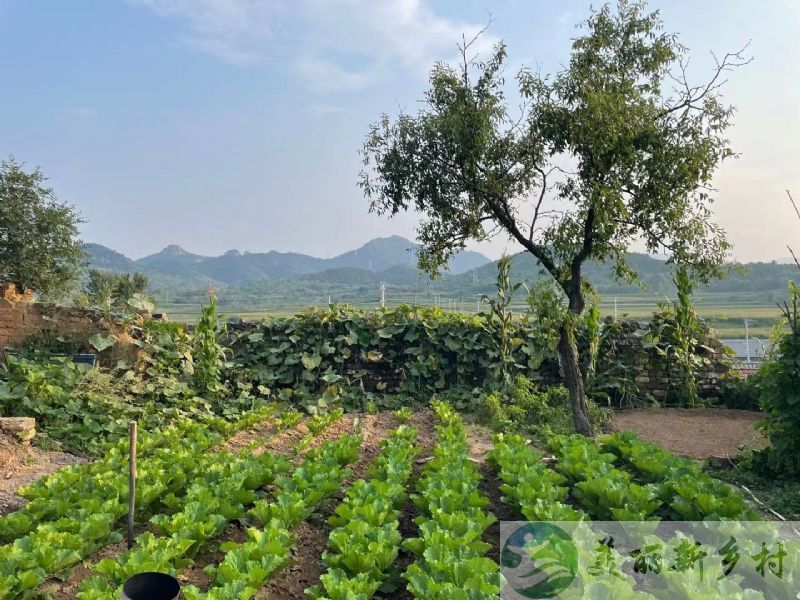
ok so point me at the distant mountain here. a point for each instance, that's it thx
(378, 254)
(176, 266)
(106, 258)
(171, 254)
(767, 280)
(288, 280)
(654, 274)
(466, 261)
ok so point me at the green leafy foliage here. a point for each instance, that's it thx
(209, 353)
(449, 549)
(365, 540)
(219, 495)
(606, 492)
(247, 566)
(525, 409)
(642, 160)
(676, 335)
(780, 393)
(688, 493)
(501, 324)
(532, 488)
(403, 414)
(121, 292)
(39, 248)
(75, 512)
(80, 408)
(418, 351)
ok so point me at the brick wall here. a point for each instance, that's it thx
(650, 372)
(21, 319)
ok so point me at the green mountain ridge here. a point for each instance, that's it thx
(173, 266)
(276, 279)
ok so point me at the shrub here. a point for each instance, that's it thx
(523, 408)
(780, 393)
(741, 393)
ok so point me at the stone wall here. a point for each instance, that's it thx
(623, 357)
(65, 327)
(651, 373)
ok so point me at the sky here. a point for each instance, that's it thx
(221, 124)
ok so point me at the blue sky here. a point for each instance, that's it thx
(219, 124)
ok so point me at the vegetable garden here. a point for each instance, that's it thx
(413, 522)
(336, 455)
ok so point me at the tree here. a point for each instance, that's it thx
(39, 245)
(114, 290)
(599, 157)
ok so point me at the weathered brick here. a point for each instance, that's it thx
(15, 424)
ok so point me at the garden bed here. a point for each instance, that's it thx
(694, 433)
(310, 533)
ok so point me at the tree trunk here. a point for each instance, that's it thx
(573, 378)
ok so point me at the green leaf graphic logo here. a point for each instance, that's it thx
(539, 560)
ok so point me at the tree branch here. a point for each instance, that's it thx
(692, 95)
(539, 203)
(794, 204)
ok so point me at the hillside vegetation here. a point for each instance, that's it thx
(250, 283)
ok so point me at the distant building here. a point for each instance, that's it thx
(754, 348)
(748, 354)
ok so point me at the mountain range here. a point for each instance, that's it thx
(392, 258)
(290, 279)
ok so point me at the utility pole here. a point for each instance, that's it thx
(383, 294)
(615, 308)
(747, 339)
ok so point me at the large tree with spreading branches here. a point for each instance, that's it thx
(616, 149)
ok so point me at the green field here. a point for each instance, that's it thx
(724, 316)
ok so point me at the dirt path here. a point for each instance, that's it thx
(22, 465)
(694, 432)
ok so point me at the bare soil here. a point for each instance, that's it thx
(22, 464)
(696, 433)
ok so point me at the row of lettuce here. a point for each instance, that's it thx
(80, 509)
(195, 492)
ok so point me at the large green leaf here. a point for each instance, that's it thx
(311, 361)
(102, 342)
(141, 303)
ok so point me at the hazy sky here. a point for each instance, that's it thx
(219, 124)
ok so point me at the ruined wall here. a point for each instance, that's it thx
(22, 320)
(651, 373)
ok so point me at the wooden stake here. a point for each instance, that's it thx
(131, 481)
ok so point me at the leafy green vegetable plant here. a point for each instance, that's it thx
(450, 553)
(532, 488)
(248, 565)
(365, 540)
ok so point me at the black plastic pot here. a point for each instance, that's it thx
(151, 586)
(85, 359)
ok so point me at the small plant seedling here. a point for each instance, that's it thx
(403, 414)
